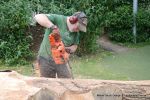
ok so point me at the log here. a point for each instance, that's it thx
(15, 86)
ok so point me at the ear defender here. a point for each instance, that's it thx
(73, 19)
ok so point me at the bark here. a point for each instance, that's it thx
(17, 87)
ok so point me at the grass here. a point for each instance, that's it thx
(135, 63)
(90, 67)
(132, 45)
(24, 69)
(132, 65)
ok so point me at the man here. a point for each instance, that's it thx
(68, 27)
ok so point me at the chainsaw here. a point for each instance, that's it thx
(57, 48)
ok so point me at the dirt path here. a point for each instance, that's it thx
(106, 44)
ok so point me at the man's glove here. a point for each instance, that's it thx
(55, 32)
(54, 29)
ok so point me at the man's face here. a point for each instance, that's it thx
(75, 27)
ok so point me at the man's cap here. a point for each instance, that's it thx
(82, 19)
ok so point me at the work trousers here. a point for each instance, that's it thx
(48, 68)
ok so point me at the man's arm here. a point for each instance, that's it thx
(43, 20)
(71, 49)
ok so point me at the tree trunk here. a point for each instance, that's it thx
(17, 87)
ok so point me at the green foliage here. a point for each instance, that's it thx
(120, 24)
(14, 42)
(115, 16)
(121, 35)
(120, 18)
(143, 24)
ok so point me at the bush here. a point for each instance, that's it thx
(143, 25)
(121, 35)
(113, 15)
(14, 42)
(120, 24)
(121, 17)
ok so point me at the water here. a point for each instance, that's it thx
(133, 64)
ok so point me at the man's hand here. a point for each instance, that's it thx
(55, 29)
(71, 49)
(55, 33)
(68, 50)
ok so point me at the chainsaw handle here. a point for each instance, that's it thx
(54, 29)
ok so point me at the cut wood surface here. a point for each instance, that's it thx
(18, 87)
